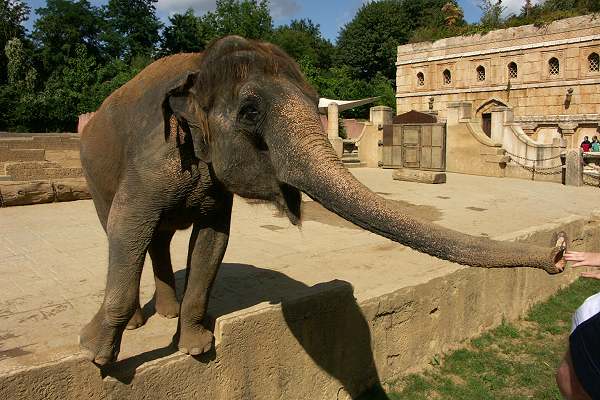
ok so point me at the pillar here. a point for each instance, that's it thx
(574, 164)
(333, 128)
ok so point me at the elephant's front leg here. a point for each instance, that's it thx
(207, 248)
(130, 230)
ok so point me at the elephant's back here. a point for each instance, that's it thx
(126, 117)
(148, 88)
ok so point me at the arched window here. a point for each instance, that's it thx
(480, 73)
(420, 79)
(553, 66)
(447, 77)
(513, 72)
(594, 62)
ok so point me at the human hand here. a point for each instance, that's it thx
(583, 258)
(591, 274)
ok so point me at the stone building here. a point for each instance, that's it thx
(549, 76)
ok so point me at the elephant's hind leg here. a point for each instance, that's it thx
(165, 298)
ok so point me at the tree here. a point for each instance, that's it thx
(19, 68)
(453, 14)
(187, 33)
(13, 13)
(369, 42)
(526, 9)
(248, 18)
(21, 81)
(492, 10)
(62, 26)
(132, 28)
(302, 39)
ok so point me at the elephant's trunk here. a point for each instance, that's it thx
(310, 164)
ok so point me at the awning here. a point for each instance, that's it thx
(343, 104)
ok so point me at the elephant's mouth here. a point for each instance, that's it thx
(289, 201)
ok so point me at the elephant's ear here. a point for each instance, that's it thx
(181, 101)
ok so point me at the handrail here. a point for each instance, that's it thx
(362, 133)
(481, 137)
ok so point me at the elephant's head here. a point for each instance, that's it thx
(254, 118)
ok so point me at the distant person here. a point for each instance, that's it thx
(595, 144)
(585, 145)
(578, 376)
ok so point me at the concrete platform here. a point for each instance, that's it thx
(323, 312)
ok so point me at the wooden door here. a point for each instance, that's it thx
(411, 146)
(436, 152)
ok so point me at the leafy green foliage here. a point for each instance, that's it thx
(248, 18)
(132, 28)
(62, 26)
(302, 39)
(491, 13)
(368, 43)
(186, 33)
(13, 13)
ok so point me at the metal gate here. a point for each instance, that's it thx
(417, 146)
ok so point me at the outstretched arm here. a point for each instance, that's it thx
(582, 259)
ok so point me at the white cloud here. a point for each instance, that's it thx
(279, 8)
(179, 6)
(284, 8)
(510, 6)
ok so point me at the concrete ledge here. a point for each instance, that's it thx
(416, 175)
(305, 342)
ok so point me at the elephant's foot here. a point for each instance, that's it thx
(166, 305)
(195, 340)
(99, 341)
(137, 320)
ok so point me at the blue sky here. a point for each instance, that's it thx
(331, 15)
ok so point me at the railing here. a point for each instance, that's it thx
(524, 162)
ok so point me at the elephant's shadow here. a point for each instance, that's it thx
(336, 336)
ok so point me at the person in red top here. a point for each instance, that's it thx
(585, 145)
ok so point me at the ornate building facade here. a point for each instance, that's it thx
(549, 76)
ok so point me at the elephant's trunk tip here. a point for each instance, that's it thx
(559, 263)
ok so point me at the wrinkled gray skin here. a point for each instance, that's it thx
(250, 126)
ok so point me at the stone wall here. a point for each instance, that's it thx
(573, 92)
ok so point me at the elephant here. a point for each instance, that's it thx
(168, 151)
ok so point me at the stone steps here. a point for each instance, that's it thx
(8, 154)
(63, 142)
(351, 160)
(36, 170)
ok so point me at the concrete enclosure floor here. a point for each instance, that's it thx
(53, 257)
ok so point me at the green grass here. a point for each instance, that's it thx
(514, 361)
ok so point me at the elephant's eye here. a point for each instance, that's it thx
(249, 114)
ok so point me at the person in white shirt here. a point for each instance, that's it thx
(578, 376)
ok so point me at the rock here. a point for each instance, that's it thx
(416, 175)
(22, 193)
